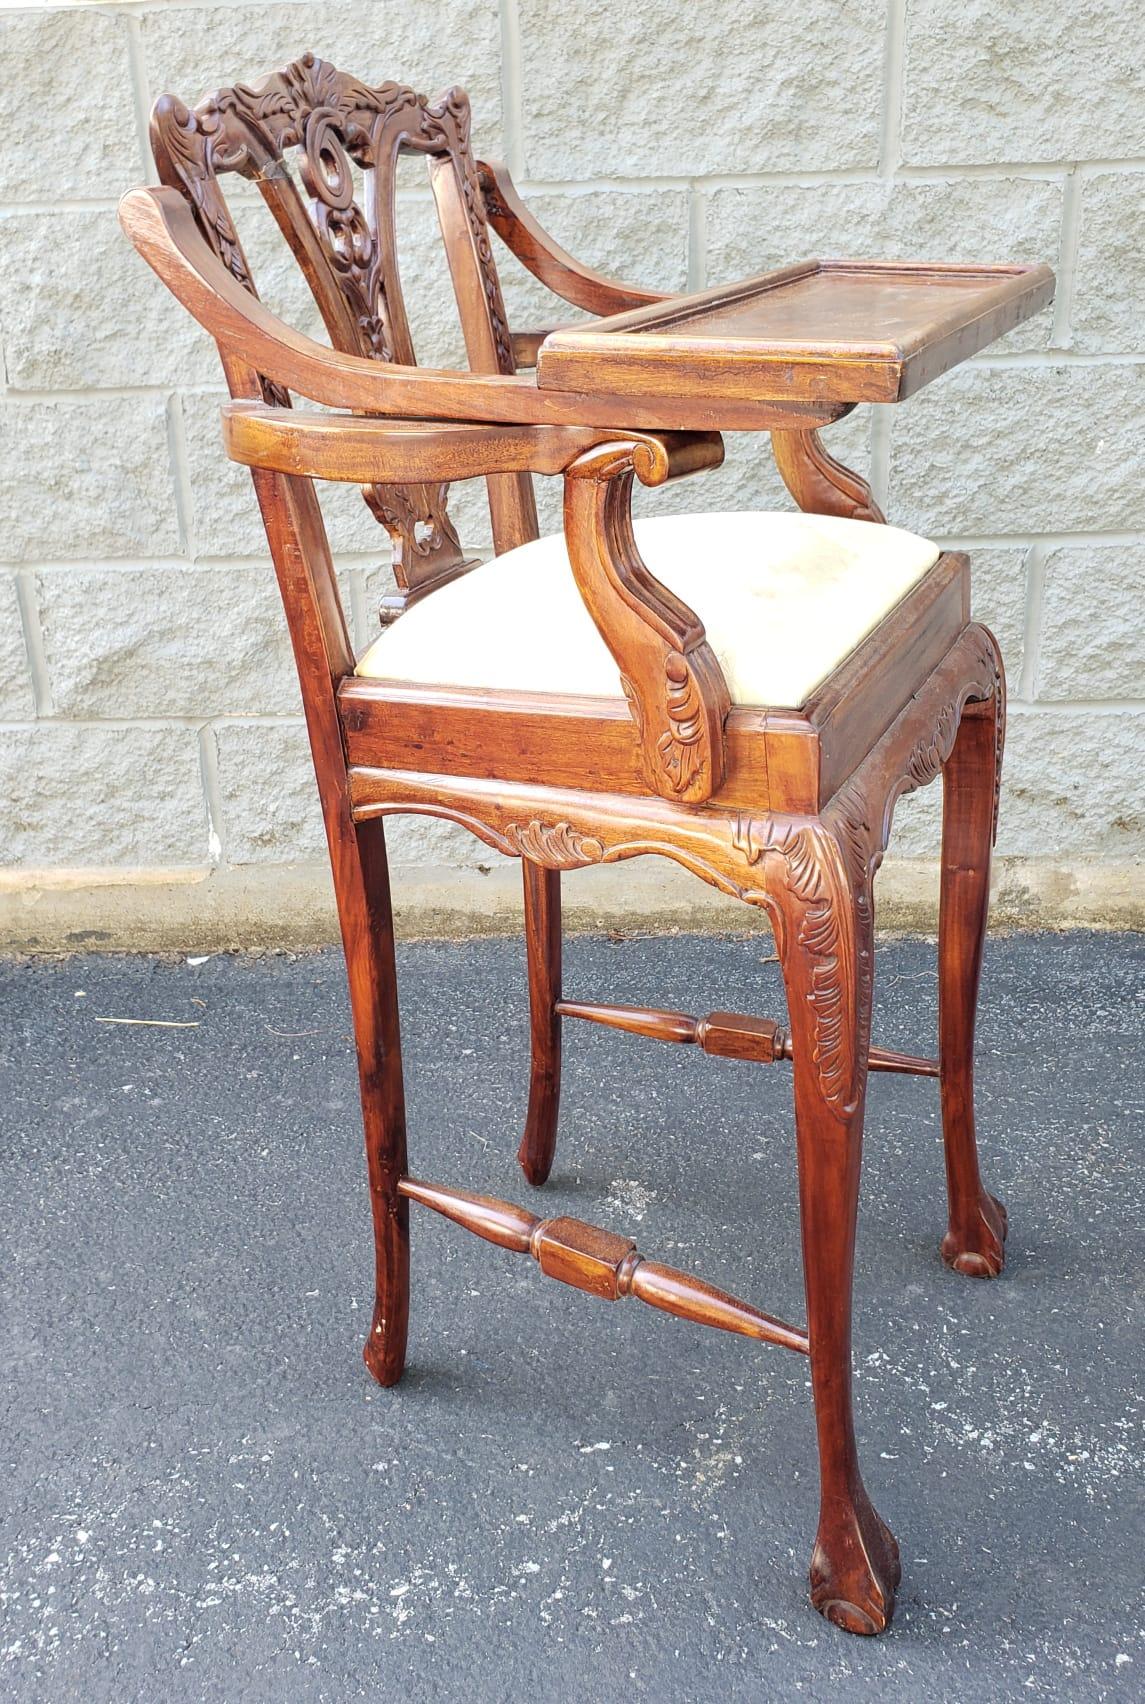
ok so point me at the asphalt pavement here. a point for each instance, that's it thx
(205, 1498)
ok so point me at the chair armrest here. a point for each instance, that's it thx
(359, 450)
(162, 226)
(547, 260)
(671, 678)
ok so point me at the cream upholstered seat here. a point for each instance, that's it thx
(784, 598)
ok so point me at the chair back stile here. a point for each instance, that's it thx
(329, 122)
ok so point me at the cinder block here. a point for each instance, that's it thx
(612, 91)
(167, 642)
(271, 812)
(87, 311)
(67, 109)
(985, 82)
(998, 599)
(1074, 782)
(86, 479)
(1021, 449)
(16, 697)
(1093, 639)
(190, 50)
(1109, 276)
(80, 796)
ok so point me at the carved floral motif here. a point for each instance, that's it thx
(679, 745)
(335, 122)
(556, 845)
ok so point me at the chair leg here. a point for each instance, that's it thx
(543, 956)
(974, 1242)
(363, 892)
(826, 941)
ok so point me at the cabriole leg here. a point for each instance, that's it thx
(543, 956)
(363, 891)
(974, 1242)
(826, 942)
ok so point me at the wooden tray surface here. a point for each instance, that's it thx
(844, 331)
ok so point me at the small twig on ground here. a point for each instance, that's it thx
(153, 1023)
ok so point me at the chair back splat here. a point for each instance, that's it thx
(322, 124)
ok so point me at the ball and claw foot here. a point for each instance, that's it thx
(977, 1249)
(855, 1571)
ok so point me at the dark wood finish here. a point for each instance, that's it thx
(819, 483)
(356, 450)
(545, 259)
(163, 229)
(323, 655)
(667, 668)
(785, 809)
(974, 1243)
(347, 251)
(601, 1263)
(543, 959)
(726, 1035)
(853, 331)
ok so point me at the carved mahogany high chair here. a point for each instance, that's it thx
(747, 694)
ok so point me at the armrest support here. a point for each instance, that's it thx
(360, 450)
(820, 484)
(547, 260)
(674, 685)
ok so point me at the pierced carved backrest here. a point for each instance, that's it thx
(326, 122)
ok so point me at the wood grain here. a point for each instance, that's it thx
(853, 331)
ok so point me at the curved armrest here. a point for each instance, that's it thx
(671, 678)
(162, 226)
(360, 450)
(547, 260)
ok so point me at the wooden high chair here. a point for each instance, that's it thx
(748, 694)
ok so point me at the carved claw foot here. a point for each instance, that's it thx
(381, 1362)
(855, 1570)
(977, 1248)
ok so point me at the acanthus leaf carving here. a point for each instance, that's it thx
(336, 121)
(679, 745)
(809, 871)
(556, 845)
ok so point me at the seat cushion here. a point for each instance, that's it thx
(784, 598)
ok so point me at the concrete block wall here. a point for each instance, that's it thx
(153, 770)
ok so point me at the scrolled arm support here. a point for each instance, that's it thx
(547, 260)
(820, 484)
(671, 677)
